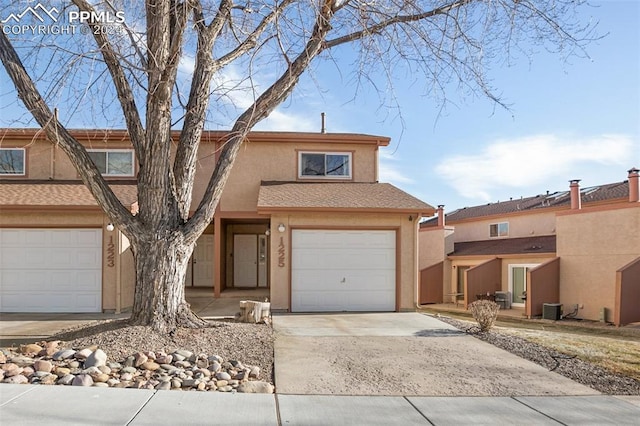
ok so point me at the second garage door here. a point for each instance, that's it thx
(336, 270)
(50, 270)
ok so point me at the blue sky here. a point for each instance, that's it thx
(568, 120)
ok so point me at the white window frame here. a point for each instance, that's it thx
(107, 151)
(499, 233)
(24, 162)
(349, 155)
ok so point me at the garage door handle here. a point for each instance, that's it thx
(344, 280)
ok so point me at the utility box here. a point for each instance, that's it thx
(503, 298)
(552, 311)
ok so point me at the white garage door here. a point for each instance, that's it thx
(50, 270)
(335, 271)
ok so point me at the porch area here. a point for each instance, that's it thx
(207, 306)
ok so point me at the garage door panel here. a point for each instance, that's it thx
(335, 270)
(344, 258)
(51, 270)
(320, 301)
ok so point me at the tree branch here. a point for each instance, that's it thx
(399, 19)
(123, 89)
(261, 108)
(56, 132)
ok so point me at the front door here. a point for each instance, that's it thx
(200, 271)
(245, 260)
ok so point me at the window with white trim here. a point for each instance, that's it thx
(499, 230)
(113, 162)
(324, 165)
(12, 162)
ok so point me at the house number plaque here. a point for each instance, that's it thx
(281, 253)
(111, 253)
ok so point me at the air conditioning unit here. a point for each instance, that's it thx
(552, 311)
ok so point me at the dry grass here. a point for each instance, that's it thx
(616, 349)
(617, 354)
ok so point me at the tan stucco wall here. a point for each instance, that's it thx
(592, 245)
(406, 266)
(529, 225)
(431, 247)
(47, 161)
(260, 161)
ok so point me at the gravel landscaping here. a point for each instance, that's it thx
(577, 370)
(228, 356)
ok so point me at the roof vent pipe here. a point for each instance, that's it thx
(323, 129)
(634, 189)
(441, 216)
(576, 201)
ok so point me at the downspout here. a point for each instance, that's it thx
(118, 278)
(416, 261)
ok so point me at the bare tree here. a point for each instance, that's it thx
(443, 40)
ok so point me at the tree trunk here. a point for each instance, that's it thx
(161, 267)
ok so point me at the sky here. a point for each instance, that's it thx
(575, 119)
(567, 120)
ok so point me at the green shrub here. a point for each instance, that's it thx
(485, 313)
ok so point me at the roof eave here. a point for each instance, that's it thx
(298, 209)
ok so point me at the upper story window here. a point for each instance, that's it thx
(12, 162)
(113, 162)
(499, 229)
(332, 165)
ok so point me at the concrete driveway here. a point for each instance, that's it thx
(400, 354)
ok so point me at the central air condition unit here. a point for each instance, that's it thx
(552, 311)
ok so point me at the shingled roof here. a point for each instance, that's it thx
(60, 194)
(559, 199)
(527, 245)
(327, 196)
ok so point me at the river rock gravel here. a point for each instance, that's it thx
(222, 357)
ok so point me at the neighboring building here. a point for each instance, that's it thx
(579, 248)
(302, 214)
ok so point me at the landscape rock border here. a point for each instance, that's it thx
(48, 363)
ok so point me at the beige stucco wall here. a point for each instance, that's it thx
(431, 246)
(44, 160)
(527, 225)
(592, 245)
(406, 266)
(258, 161)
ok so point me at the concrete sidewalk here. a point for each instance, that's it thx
(53, 405)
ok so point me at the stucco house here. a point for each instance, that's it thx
(303, 214)
(578, 248)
